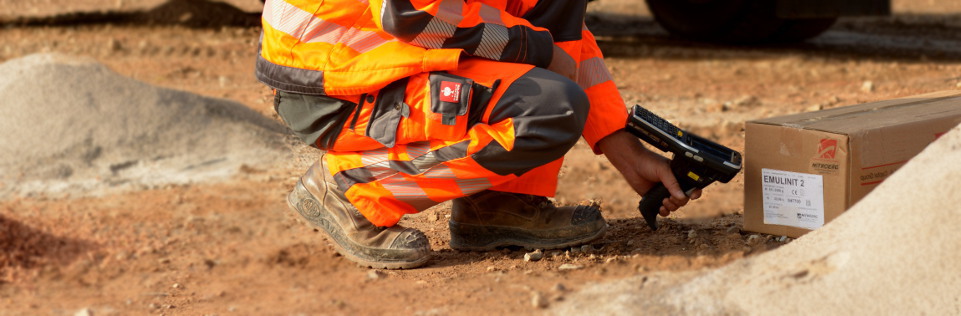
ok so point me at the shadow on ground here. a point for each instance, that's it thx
(900, 37)
(23, 247)
(718, 237)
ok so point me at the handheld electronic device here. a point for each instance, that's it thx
(697, 161)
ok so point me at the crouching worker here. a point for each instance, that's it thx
(416, 102)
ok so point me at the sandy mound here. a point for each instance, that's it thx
(73, 126)
(195, 13)
(895, 252)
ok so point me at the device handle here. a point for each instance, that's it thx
(650, 204)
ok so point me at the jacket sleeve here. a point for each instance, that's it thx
(479, 29)
(577, 56)
(608, 113)
(581, 60)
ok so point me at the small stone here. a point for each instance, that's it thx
(559, 287)
(83, 312)
(816, 107)
(535, 255)
(177, 286)
(491, 269)
(569, 266)
(715, 107)
(600, 271)
(782, 239)
(432, 217)
(867, 86)
(692, 234)
(538, 300)
(114, 45)
(374, 274)
(586, 248)
(185, 17)
(747, 101)
(728, 126)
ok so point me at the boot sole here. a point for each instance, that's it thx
(314, 217)
(468, 237)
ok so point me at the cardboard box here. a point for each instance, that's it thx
(803, 170)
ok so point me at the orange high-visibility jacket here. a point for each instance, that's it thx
(351, 47)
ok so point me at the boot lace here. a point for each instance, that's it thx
(542, 202)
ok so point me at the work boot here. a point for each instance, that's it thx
(318, 200)
(491, 219)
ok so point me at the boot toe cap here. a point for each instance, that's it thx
(585, 215)
(411, 239)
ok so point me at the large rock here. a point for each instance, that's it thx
(73, 126)
(895, 252)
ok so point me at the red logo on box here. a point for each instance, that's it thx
(827, 148)
(450, 91)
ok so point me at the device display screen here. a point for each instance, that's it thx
(711, 148)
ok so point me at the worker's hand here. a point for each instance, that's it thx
(643, 169)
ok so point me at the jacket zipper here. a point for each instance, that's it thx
(360, 105)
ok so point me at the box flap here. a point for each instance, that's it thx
(868, 116)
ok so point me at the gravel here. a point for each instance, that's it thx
(74, 127)
(535, 255)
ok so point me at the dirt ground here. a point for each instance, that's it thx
(230, 247)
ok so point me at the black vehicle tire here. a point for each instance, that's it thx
(797, 30)
(732, 21)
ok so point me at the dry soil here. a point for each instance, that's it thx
(227, 246)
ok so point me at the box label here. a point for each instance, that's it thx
(792, 198)
(826, 161)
